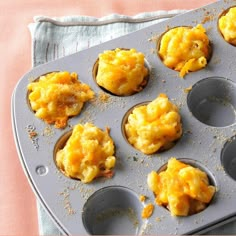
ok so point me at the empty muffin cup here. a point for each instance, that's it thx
(228, 157)
(113, 210)
(213, 101)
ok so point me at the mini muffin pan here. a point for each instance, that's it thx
(207, 102)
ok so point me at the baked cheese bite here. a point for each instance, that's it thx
(155, 126)
(185, 49)
(88, 153)
(227, 26)
(182, 188)
(56, 96)
(122, 72)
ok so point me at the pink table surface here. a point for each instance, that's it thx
(18, 215)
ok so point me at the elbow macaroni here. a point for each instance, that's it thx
(57, 96)
(227, 26)
(88, 153)
(121, 72)
(185, 49)
(147, 211)
(155, 126)
(183, 189)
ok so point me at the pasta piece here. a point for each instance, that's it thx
(147, 211)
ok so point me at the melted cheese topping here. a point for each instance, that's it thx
(185, 49)
(88, 153)
(154, 126)
(122, 72)
(183, 189)
(227, 26)
(57, 96)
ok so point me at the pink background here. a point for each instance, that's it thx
(18, 215)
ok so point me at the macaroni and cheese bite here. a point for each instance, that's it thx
(182, 188)
(88, 154)
(56, 96)
(185, 49)
(122, 72)
(155, 126)
(227, 26)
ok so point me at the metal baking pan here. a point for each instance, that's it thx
(112, 206)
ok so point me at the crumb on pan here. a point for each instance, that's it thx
(188, 89)
(103, 97)
(32, 134)
(142, 198)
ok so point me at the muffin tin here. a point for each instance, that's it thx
(207, 102)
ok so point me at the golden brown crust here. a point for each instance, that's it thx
(57, 96)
